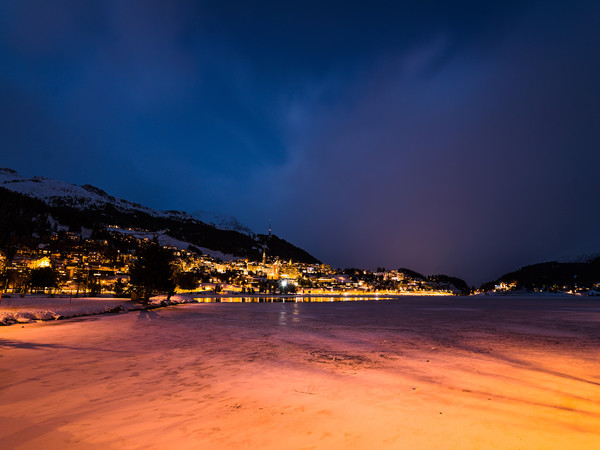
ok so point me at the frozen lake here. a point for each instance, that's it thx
(418, 372)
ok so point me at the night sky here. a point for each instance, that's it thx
(454, 137)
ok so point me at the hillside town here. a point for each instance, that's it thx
(77, 265)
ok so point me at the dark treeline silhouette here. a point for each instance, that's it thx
(412, 274)
(458, 283)
(552, 276)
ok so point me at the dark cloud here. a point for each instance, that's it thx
(485, 164)
(454, 137)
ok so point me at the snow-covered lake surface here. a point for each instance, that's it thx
(409, 373)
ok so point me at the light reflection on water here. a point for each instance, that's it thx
(286, 299)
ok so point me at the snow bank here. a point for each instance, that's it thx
(14, 309)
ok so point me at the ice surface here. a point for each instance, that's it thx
(409, 373)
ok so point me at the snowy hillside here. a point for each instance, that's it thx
(60, 193)
(166, 240)
(222, 222)
(54, 192)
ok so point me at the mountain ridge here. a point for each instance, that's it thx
(59, 193)
(34, 207)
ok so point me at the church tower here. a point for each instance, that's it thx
(264, 256)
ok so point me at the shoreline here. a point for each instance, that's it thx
(43, 308)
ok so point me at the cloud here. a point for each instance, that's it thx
(482, 165)
(448, 137)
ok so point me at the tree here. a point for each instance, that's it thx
(119, 288)
(44, 277)
(187, 280)
(93, 283)
(152, 272)
(80, 278)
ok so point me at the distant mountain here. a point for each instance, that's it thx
(31, 208)
(59, 193)
(221, 221)
(552, 276)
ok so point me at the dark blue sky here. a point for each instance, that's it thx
(456, 137)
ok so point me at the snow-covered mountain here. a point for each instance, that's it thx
(221, 221)
(60, 193)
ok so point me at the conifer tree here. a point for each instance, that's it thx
(152, 272)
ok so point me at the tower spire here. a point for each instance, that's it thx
(264, 255)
